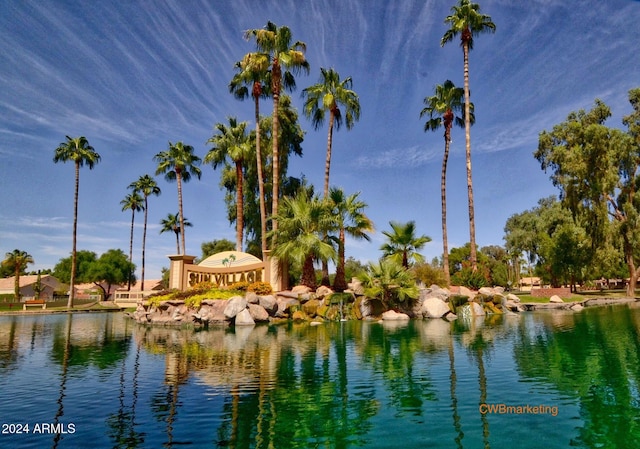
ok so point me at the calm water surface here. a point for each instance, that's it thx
(543, 380)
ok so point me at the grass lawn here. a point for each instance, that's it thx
(52, 306)
(580, 296)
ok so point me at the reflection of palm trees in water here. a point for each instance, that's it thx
(9, 356)
(457, 425)
(482, 379)
(123, 423)
(165, 404)
(477, 348)
(63, 379)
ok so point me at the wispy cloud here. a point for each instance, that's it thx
(411, 157)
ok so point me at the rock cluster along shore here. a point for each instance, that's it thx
(302, 304)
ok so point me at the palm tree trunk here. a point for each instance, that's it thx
(276, 81)
(133, 216)
(443, 200)
(177, 241)
(308, 273)
(179, 182)
(239, 207)
(467, 131)
(340, 283)
(634, 272)
(327, 164)
(16, 283)
(263, 213)
(144, 243)
(72, 281)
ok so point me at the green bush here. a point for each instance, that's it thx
(429, 275)
(471, 279)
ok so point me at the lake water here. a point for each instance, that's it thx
(535, 380)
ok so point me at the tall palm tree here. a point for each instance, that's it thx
(232, 142)
(441, 109)
(349, 218)
(325, 96)
(276, 43)
(172, 224)
(178, 163)
(79, 151)
(133, 202)
(303, 220)
(252, 72)
(147, 186)
(467, 21)
(17, 262)
(403, 244)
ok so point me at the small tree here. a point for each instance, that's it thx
(112, 268)
(389, 282)
(17, 262)
(402, 244)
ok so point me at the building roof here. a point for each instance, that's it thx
(149, 284)
(8, 284)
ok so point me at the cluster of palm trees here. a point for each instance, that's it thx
(265, 73)
(448, 100)
(177, 163)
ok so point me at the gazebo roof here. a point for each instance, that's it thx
(229, 258)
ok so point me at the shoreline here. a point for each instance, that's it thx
(590, 302)
(528, 306)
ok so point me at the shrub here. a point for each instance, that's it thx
(429, 275)
(204, 286)
(471, 279)
(240, 286)
(260, 288)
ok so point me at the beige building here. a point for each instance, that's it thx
(50, 285)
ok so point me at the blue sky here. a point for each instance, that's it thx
(131, 76)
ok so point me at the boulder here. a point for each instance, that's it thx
(269, 303)
(311, 307)
(356, 286)
(434, 292)
(464, 291)
(251, 297)
(285, 304)
(476, 309)
(392, 315)
(488, 291)
(577, 307)
(258, 313)
(556, 299)
(212, 310)
(300, 289)
(434, 308)
(512, 297)
(235, 305)
(299, 315)
(288, 294)
(244, 318)
(370, 308)
(323, 291)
